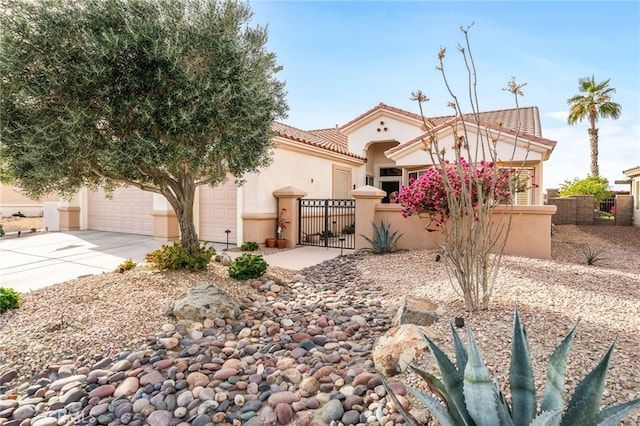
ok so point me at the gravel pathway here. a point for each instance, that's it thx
(100, 323)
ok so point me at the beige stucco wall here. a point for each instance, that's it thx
(13, 201)
(381, 126)
(309, 171)
(530, 234)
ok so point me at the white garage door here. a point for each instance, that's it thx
(129, 211)
(218, 212)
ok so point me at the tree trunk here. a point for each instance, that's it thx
(593, 141)
(182, 203)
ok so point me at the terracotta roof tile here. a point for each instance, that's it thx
(529, 119)
(333, 139)
(329, 139)
(500, 125)
(385, 107)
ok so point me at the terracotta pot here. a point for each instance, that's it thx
(271, 242)
(282, 244)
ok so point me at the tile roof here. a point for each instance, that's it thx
(329, 139)
(529, 119)
(382, 106)
(444, 122)
(506, 120)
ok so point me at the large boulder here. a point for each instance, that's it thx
(416, 310)
(206, 301)
(395, 350)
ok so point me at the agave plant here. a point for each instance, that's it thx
(467, 396)
(383, 240)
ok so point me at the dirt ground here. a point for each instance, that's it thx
(24, 224)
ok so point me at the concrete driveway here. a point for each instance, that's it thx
(31, 262)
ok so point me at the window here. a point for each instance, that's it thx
(390, 171)
(369, 181)
(525, 197)
(414, 175)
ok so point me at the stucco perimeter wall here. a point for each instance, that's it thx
(530, 234)
(13, 201)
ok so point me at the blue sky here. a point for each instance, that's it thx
(342, 58)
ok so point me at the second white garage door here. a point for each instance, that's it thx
(218, 212)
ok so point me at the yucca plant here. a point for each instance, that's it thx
(467, 395)
(383, 240)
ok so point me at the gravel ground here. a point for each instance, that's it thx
(109, 312)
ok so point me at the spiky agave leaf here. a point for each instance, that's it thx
(460, 350)
(585, 402)
(504, 411)
(553, 396)
(436, 408)
(408, 418)
(610, 416)
(521, 382)
(479, 392)
(435, 385)
(548, 418)
(452, 379)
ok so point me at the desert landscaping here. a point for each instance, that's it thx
(307, 336)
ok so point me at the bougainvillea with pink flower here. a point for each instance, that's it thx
(428, 196)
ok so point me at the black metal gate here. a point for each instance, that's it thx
(606, 212)
(327, 223)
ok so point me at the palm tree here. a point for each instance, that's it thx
(595, 102)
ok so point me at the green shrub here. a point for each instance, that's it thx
(591, 185)
(247, 266)
(467, 395)
(9, 299)
(383, 240)
(127, 265)
(176, 257)
(33, 229)
(249, 246)
(1, 230)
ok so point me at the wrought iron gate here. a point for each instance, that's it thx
(605, 214)
(327, 223)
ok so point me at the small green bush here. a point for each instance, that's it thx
(127, 265)
(249, 246)
(591, 254)
(9, 299)
(176, 257)
(1, 231)
(248, 266)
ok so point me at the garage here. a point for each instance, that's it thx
(128, 211)
(218, 213)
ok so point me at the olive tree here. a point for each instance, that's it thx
(163, 95)
(468, 180)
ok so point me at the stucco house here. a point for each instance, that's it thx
(634, 176)
(381, 148)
